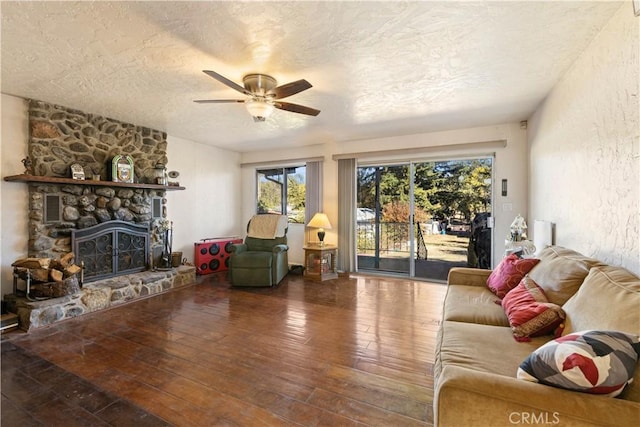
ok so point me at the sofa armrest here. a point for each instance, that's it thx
(280, 248)
(238, 248)
(468, 276)
(466, 397)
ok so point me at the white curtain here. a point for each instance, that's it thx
(347, 215)
(313, 193)
(313, 190)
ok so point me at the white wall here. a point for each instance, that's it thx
(584, 149)
(511, 163)
(207, 208)
(210, 205)
(13, 195)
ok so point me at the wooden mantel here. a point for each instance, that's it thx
(70, 181)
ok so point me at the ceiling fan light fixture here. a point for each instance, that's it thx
(264, 95)
(259, 109)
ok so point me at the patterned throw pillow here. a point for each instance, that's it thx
(597, 362)
(508, 274)
(530, 313)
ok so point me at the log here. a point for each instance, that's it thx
(39, 274)
(71, 270)
(32, 263)
(68, 286)
(55, 264)
(56, 275)
(66, 260)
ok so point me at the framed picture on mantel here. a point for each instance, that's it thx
(122, 169)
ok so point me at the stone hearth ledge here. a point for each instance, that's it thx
(98, 295)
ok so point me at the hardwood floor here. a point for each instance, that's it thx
(350, 351)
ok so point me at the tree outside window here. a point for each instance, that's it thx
(282, 191)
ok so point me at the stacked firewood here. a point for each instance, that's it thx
(49, 277)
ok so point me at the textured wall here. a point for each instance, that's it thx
(584, 150)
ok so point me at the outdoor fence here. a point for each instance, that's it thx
(391, 238)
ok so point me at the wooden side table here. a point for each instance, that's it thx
(320, 262)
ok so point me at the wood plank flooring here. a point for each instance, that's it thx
(350, 351)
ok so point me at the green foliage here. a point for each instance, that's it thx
(269, 197)
(271, 192)
(398, 211)
(296, 194)
(443, 190)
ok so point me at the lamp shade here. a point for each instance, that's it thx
(320, 220)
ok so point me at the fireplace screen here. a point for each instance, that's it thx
(110, 249)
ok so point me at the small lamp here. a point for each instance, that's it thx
(320, 221)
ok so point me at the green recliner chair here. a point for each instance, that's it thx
(260, 261)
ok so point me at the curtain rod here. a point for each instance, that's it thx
(485, 145)
(283, 161)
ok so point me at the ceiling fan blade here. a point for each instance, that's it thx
(226, 81)
(291, 88)
(295, 108)
(216, 101)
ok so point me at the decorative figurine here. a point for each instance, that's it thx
(518, 229)
(28, 166)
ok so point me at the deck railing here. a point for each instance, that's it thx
(389, 239)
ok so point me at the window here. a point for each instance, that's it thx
(282, 191)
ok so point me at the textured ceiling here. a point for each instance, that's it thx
(378, 68)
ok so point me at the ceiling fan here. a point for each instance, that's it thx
(264, 95)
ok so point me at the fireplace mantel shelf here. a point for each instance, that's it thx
(70, 181)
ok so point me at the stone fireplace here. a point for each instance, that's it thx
(60, 137)
(56, 210)
(111, 226)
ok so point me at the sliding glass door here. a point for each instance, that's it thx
(384, 217)
(422, 218)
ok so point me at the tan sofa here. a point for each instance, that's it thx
(477, 357)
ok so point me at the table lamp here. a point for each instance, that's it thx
(321, 222)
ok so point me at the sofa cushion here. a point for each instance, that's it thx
(482, 348)
(608, 299)
(560, 272)
(529, 312)
(508, 274)
(473, 304)
(597, 362)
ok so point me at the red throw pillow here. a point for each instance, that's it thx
(529, 311)
(508, 274)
